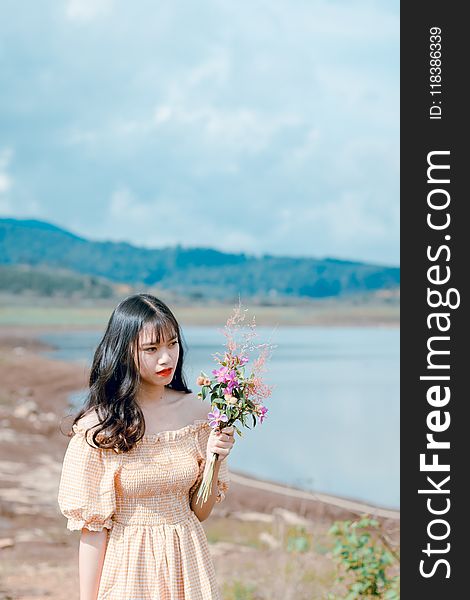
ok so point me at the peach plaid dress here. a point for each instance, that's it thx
(157, 547)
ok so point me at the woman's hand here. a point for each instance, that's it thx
(220, 442)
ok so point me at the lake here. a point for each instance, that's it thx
(333, 421)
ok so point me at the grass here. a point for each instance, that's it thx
(289, 572)
(39, 316)
(236, 590)
(243, 533)
(96, 315)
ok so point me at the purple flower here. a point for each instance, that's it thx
(243, 360)
(262, 410)
(216, 417)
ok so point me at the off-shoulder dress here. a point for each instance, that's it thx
(156, 546)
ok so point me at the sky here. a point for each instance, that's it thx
(264, 127)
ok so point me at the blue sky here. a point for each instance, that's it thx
(269, 126)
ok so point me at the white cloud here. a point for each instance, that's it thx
(304, 151)
(5, 158)
(163, 114)
(5, 183)
(6, 180)
(192, 100)
(86, 10)
(142, 222)
(125, 206)
(236, 130)
(233, 240)
(198, 107)
(80, 136)
(215, 70)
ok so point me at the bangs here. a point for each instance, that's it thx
(160, 328)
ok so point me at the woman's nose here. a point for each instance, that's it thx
(164, 357)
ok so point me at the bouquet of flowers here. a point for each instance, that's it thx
(234, 394)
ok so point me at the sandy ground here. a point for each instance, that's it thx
(247, 533)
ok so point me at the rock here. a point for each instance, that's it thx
(27, 409)
(47, 417)
(253, 516)
(269, 540)
(26, 391)
(222, 548)
(6, 542)
(8, 435)
(290, 517)
(30, 535)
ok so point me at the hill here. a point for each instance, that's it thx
(189, 272)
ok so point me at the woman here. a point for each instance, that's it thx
(131, 471)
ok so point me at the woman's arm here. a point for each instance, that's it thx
(91, 555)
(204, 510)
(221, 443)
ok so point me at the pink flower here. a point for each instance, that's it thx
(231, 380)
(216, 418)
(228, 376)
(221, 374)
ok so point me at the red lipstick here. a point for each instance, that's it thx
(164, 372)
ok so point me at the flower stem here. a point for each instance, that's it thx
(205, 488)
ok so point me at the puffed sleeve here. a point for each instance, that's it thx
(223, 480)
(86, 489)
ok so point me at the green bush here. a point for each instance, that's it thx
(298, 540)
(364, 560)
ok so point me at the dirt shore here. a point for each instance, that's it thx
(39, 555)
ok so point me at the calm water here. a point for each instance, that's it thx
(333, 424)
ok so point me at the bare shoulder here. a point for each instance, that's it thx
(197, 407)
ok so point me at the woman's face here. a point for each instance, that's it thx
(157, 361)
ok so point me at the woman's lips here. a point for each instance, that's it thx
(164, 373)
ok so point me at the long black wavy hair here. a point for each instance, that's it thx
(114, 376)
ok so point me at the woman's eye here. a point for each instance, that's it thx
(173, 343)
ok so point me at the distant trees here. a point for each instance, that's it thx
(188, 272)
(31, 280)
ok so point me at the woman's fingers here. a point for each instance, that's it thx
(225, 438)
(227, 433)
(225, 443)
(229, 430)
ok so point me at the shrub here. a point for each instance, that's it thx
(364, 560)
